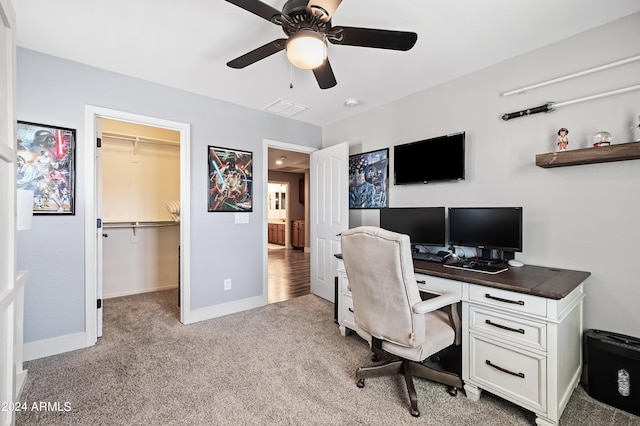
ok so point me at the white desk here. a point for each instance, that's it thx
(521, 331)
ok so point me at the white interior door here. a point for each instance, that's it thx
(329, 215)
(100, 230)
(9, 337)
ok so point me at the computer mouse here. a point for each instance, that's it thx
(515, 263)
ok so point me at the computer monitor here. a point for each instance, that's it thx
(486, 228)
(423, 225)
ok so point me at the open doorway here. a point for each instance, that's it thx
(288, 252)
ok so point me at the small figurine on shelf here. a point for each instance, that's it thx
(602, 139)
(563, 139)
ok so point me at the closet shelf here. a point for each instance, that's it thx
(603, 154)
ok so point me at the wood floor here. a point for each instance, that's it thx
(289, 274)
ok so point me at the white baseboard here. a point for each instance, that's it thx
(209, 312)
(138, 291)
(19, 385)
(54, 346)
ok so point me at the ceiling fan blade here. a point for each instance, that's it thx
(324, 75)
(369, 37)
(257, 7)
(257, 54)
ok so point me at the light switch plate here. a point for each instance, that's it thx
(242, 217)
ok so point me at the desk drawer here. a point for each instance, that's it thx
(516, 375)
(528, 333)
(438, 285)
(344, 282)
(347, 311)
(504, 299)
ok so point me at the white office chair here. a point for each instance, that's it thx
(400, 327)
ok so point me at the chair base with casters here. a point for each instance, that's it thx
(409, 369)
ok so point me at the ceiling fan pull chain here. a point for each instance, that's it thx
(291, 79)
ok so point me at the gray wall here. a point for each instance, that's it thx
(55, 91)
(582, 217)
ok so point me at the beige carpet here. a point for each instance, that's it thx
(282, 364)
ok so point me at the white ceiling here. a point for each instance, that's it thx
(186, 44)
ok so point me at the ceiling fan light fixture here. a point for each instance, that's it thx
(307, 49)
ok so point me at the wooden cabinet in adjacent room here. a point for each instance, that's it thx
(276, 233)
(297, 233)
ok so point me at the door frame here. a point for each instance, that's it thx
(268, 143)
(92, 113)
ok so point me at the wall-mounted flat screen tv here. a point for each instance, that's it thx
(430, 160)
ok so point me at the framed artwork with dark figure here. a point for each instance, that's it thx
(45, 164)
(230, 180)
(368, 180)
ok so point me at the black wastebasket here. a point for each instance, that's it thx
(612, 362)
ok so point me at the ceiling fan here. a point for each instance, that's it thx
(307, 24)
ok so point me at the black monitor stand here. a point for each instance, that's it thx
(488, 257)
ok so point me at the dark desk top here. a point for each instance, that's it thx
(550, 283)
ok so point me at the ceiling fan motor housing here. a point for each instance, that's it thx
(297, 17)
(292, 7)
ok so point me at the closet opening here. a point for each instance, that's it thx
(140, 210)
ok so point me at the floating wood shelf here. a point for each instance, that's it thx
(603, 154)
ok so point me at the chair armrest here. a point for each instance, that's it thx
(445, 299)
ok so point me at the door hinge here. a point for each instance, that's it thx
(99, 142)
(99, 303)
(99, 223)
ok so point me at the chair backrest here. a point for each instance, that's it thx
(383, 285)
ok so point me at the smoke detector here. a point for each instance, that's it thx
(351, 102)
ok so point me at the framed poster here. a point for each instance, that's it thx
(46, 165)
(369, 180)
(230, 180)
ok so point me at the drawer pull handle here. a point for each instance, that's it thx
(351, 310)
(504, 327)
(421, 281)
(500, 299)
(504, 370)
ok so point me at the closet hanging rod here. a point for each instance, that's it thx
(131, 138)
(574, 75)
(135, 225)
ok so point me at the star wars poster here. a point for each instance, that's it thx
(45, 165)
(368, 180)
(230, 180)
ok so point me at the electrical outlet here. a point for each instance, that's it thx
(227, 284)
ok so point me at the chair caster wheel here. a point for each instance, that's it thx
(360, 383)
(415, 413)
(374, 358)
(453, 391)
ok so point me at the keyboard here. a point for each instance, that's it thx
(477, 267)
(429, 257)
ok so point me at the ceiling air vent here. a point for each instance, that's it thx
(286, 108)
